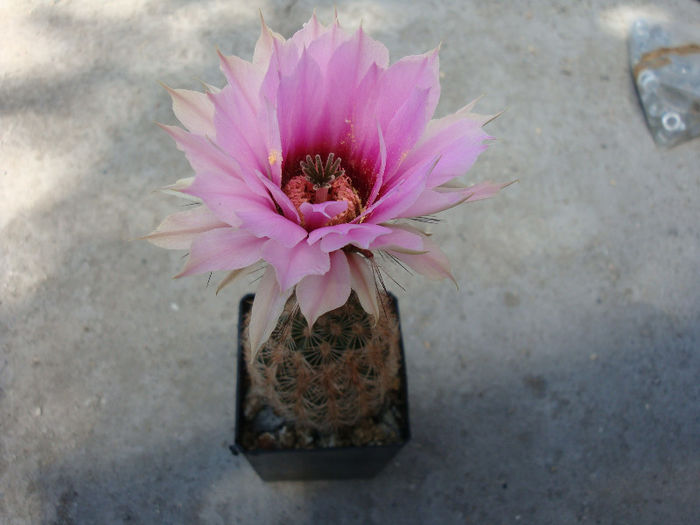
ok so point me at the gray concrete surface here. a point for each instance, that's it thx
(559, 385)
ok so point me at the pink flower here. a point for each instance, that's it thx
(307, 160)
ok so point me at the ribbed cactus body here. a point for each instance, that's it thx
(332, 376)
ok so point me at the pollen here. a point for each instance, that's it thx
(272, 157)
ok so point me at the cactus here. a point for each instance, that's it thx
(332, 376)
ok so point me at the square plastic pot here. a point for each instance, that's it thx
(348, 462)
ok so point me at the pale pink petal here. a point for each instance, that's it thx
(293, 264)
(247, 79)
(267, 307)
(316, 215)
(201, 153)
(245, 76)
(222, 249)
(442, 198)
(362, 281)
(265, 45)
(457, 140)
(241, 130)
(318, 294)
(335, 237)
(401, 238)
(379, 173)
(178, 230)
(194, 110)
(283, 61)
(177, 189)
(226, 195)
(309, 32)
(433, 264)
(247, 203)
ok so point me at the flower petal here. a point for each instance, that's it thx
(443, 198)
(226, 195)
(298, 104)
(316, 215)
(280, 198)
(246, 203)
(201, 153)
(339, 235)
(264, 47)
(344, 73)
(401, 195)
(433, 264)
(318, 294)
(293, 264)
(243, 130)
(310, 32)
(457, 139)
(245, 76)
(267, 307)
(362, 281)
(178, 230)
(400, 237)
(396, 87)
(222, 249)
(194, 110)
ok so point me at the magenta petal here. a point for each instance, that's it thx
(222, 249)
(298, 104)
(290, 212)
(267, 307)
(293, 264)
(342, 93)
(335, 237)
(318, 294)
(400, 196)
(316, 215)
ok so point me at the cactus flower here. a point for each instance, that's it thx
(310, 160)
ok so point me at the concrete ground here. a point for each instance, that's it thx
(559, 384)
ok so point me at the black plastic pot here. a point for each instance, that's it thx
(320, 463)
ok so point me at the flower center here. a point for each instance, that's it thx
(319, 181)
(321, 175)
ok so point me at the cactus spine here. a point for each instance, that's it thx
(332, 376)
